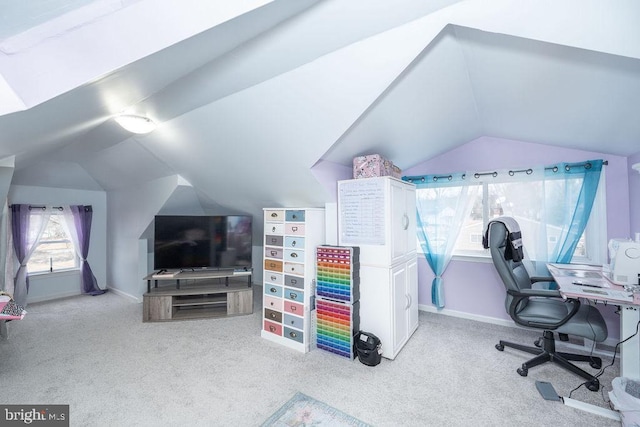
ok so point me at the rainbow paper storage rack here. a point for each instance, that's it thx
(337, 295)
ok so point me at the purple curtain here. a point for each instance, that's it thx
(82, 216)
(20, 232)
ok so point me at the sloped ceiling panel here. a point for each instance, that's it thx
(122, 164)
(45, 172)
(542, 92)
(128, 33)
(429, 109)
(258, 145)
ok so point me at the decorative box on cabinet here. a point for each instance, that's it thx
(379, 216)
(337, 291)
(290, 238)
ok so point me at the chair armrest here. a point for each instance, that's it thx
(546, 293)
(540, 282)
(525, 294)
(541, 279)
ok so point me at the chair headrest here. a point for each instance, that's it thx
(513, 247)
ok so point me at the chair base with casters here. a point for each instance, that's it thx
(545, 351)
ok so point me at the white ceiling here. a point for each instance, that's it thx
(249, 98)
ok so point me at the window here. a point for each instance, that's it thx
(538, 201)
(55, 251)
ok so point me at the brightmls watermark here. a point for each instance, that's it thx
(38, 415)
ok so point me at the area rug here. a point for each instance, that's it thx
(302, 410)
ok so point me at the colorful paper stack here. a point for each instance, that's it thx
(337, 295)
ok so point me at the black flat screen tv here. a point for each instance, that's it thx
(202, 242)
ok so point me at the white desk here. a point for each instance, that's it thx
(629, 309)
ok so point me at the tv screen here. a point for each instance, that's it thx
(190, 242)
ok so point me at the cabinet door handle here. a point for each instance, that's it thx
(409, 301)
(405, 221)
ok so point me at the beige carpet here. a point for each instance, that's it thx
(95, 354)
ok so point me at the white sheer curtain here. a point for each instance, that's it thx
(442, 203)
(27, 225)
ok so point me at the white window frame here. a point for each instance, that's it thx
(595, 232)
(52, 269)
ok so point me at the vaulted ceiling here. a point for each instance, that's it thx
(251, 96)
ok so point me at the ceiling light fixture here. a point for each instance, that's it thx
(136, 124)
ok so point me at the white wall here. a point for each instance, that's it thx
(130, 211)
(58, 285)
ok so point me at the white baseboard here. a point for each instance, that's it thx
(469, 316)
(609, 342)
(44, 298)
(126, 295)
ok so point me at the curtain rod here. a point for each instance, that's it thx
(529, 171)
(60, 208)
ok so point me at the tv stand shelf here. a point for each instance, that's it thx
(204, 297)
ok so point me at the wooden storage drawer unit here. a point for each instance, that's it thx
(289, 233)
(274, 278)
(294, 268)
(274, 328)
(294, 281)
(273, 290)
(294, 242)
(273, 228)
(274, 215)
(273, 240)
(273, 252)
(295, 229)
(273, 303)
(274, 316)
(294, 295)
(272, 265)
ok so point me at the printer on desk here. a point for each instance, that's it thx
(625, 261)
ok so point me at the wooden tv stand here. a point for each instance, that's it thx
(197, 295)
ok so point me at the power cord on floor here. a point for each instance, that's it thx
(613, 359)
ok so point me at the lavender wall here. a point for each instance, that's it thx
(474, 288)
(634, 194)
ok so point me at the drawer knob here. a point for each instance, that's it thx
(293, 334)
(272, 328)
(293, 296)
(272, 290)
(293, 308)
(294, 255)
(294, 228)
(274, 215)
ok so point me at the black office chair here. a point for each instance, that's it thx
(541, 308)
